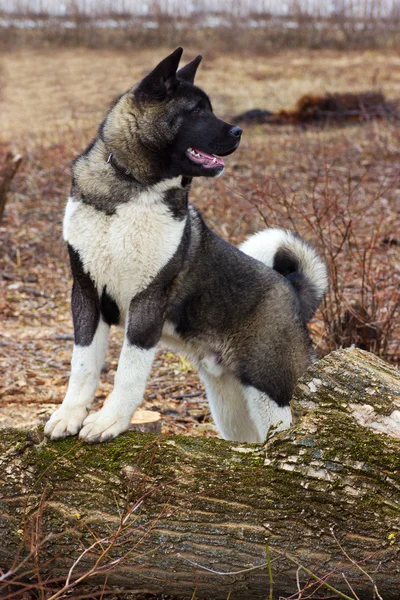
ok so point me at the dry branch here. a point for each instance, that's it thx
(318, 504)
(7, 174)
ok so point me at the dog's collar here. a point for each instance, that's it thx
(124, 174)
(121, 171)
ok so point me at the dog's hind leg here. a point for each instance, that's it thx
(229, 407)
(265, 412)
(91, 337)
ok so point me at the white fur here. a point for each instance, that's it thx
(210, 364)
(229, 407)
(265, 412)
(130, 381)
(126, 250)
(86, 365)
(264, 245)
(171, 339)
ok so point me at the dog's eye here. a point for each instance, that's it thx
(197, 112)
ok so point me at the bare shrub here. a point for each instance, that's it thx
(362, 305)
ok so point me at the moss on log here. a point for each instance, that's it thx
(324, 494)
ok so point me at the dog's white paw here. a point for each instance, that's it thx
(65, 421)
(103, 425)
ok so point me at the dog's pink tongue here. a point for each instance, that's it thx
(209, 160)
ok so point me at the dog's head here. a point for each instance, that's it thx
(165, 126)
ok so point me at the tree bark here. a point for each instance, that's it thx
(322, 497)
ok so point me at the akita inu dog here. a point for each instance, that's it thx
(143, 258)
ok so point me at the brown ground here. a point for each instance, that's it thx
(50, 105)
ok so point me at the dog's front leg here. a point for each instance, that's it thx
(91, 337)
(142, 333)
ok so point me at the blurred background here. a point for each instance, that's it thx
(259, 25)
(316, 88)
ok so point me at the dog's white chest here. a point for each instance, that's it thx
(126, 250)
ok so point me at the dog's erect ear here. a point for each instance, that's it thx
(161, 80)
(188, 72)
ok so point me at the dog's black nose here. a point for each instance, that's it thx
(236, 131)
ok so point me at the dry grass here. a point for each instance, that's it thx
(51, 104)
(51, 93)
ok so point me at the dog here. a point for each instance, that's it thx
(143, 258)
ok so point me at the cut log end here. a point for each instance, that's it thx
(147, 421)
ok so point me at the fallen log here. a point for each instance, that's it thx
(324, 109)
(316, 506)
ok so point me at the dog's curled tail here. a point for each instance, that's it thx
(293, 258)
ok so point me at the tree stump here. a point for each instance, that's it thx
(148, 421)
(315, 506)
